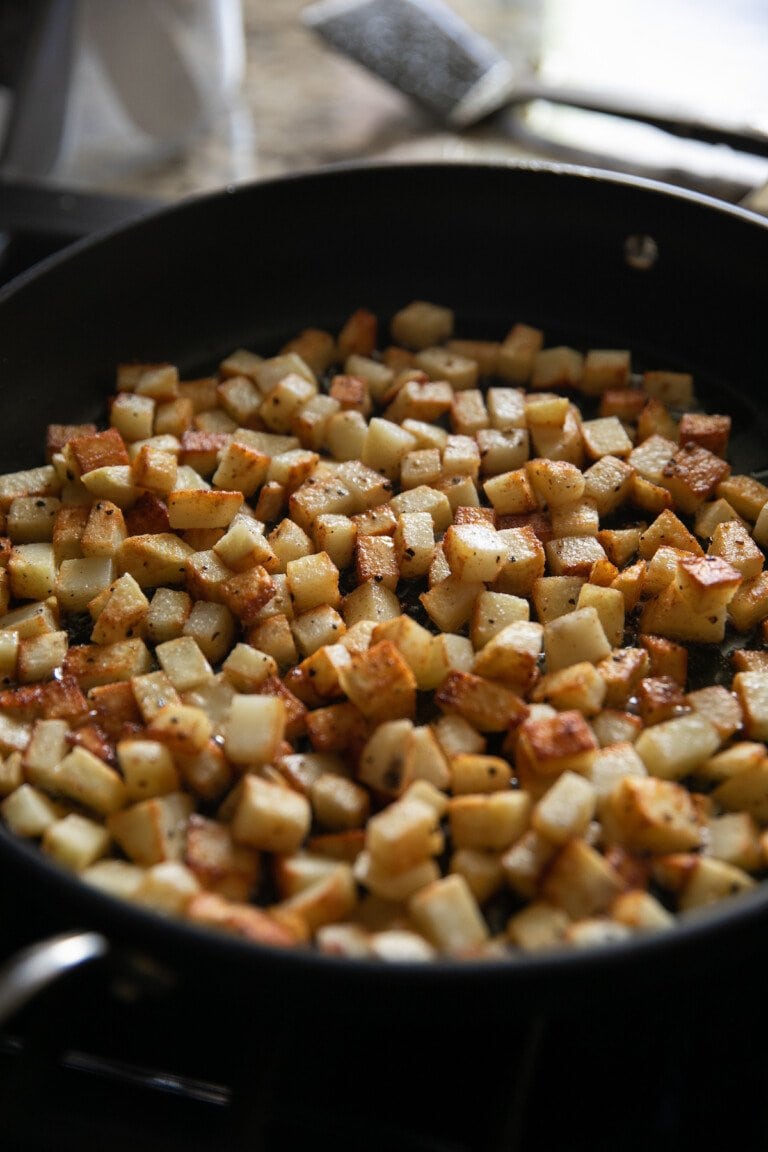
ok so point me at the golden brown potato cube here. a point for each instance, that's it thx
(27, 811)
(573, 555)
(403, 834)
(749, 604)
(316, 347)
(75, 841)
(746, 790)
(650, 458)
(96, 450)
(475, 552)
(153, 830)
(494, 611)
(710, 431)
(579, 686)
(450, 603)
(270, 817)
(154, 559)
(380, 683)
(95, 664)
(731, 541)
(122, 613)
(203, 508)
(553, 744)
(581, 881)
(512, 655)
(621, 672)
(491, 821)
(449, 916)
(221, 866)
(473, 772)
(693, 475)
(511, 492)
(184, 729)
(735, 839)
(706, 582)
(41, 481)
(32, 571)
(246, 593)
(486, 704)
(566, 810)
(376, 560)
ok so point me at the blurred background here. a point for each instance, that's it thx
(168, 98)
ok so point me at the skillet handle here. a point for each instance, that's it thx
(34, 968)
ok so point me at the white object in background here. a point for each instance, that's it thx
(151, 78)
(173, 64)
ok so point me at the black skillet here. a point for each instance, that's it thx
(593, 259)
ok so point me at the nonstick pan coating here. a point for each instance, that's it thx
(593, 259)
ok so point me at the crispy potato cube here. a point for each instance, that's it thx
(512, 655)
(122, 613)
(270, 817)
(652, 815)
(486, 704)
(693, 475)
(403, 834)
(552, 744)
(580, 880)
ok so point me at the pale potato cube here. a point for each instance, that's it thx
(383, 765)
(566, 809)
(676, 747)
(254, 729)
(393, 887)
(538, 927)
(386, 445)
(147, 767)
(475, 552)
(575, 637)
(422, 324)
(448, 914)
(212, 626)
(711, 881)
(166, 887)
(403, 834)
(85, 778)
(648, 814)
(489, 822)
(414, 541)
(605, 436)
(580, 880)
(32, 571)
(313, 581)
(28, 812)
(75, 841)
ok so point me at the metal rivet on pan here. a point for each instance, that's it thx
(640, 252)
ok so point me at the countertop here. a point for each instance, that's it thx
(300, 105)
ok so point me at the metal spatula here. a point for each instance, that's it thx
(424, 49)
